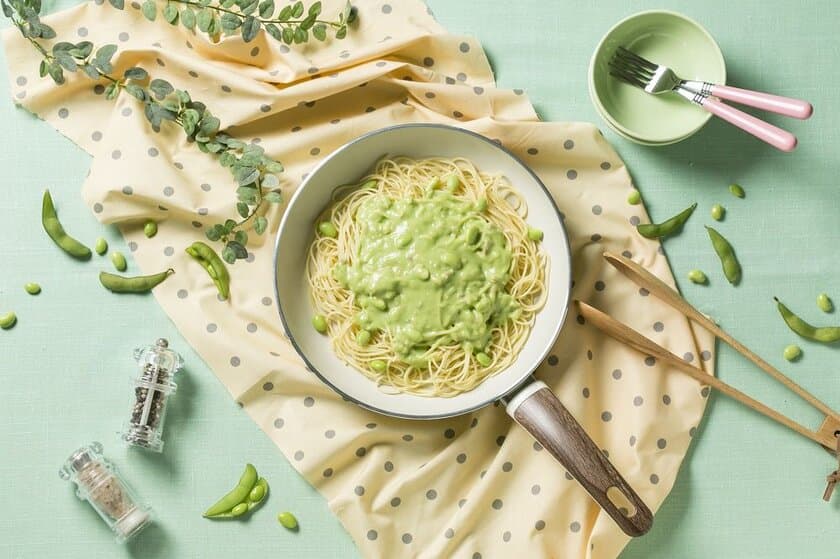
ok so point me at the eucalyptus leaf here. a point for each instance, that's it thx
(229, 226)
(170, 13)
(241, 237)
(239, 250)
(112, 91)
(242, 209)
(135, 73)
(214, 147)
(183, 96)
(270, 181)
(266, 9)
(230, 22)
(315, 9)
(91, 71)
(227, 159)
(188, 18)
(341, 33)
(260, 225)
(227, 4)
(66, 61)
(46, 31)
(171, 105)
(118, 4)
(136, 91)
(250, 28)
(161, 88)
(319, 31)
(273, 197)
(249, 7)
(189, 120)
(209, 124)
(274, 31)
(301, 35)
(105, 53)
(247, 194)
(285, 13)
(288, 35)
(213, 233)
(42, 69)
(56, 73)
(7, 10)
(149, 10)
(297, 9)
(308, 22)
(205, 19)
(228, 255)
(274, 167)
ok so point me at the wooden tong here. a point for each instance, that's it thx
(827, 435)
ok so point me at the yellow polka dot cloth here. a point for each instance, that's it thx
(466, 487)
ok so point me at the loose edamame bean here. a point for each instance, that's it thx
(137, 284)
(717, 212)
(634, 198)
(150, 229)
(736, 190)
(363, 337)
(668, 227)
(792, 352)
(824, 303)
(825, 334)
(101, 246)
(7, 320)
(32, 288)
(235, 496)
(452, 183)
(327, 229)
(535, 234)
(378, 365)
(697, 276)
(288, 520)
(728, 260)
(53, 227)
(119, 262)
(319, 323)
(213, 265)
(483, 359)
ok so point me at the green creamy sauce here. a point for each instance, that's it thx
(429, 271)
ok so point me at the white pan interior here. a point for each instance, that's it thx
(347, 165)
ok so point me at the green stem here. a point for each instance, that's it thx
(286, 23)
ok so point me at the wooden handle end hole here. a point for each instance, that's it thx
(621, 502)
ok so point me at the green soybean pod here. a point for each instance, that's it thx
(634, 198)
(327, 229)
(824, 334)
(235, 496)
(119, 262)
(32, 288)
(101, 246)
(792, 352)
(137, 284)
(319, 323)
(726, 254)
(737, 190)
(150, 229)
(8, 320)
(53, 227)
(213, 265)
(717, 212)
(697, 276)
(668, 227)
(287, 520)
(824, 303)
(535, 234)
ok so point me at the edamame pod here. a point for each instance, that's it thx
(668, 227)
(137, 284)
(236, 496)
(53, 227)
(213, 265)
(824, 334)
(724, 250)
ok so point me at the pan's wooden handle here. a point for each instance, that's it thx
(538, 410)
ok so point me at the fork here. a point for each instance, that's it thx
(656, 79)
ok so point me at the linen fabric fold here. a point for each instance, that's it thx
(470, 486)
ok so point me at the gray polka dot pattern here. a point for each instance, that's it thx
(688, 356)
(169, 251)
(406, 538)
(278, 423)
(497, 504)
(506, 536)
(182, 293)
(616, 374)
(212, 327)
(328, 472)
(251, 327)
(632, 440)
(386, 8)
(599, 286)
(461, 77)
(638, 401)
(535, 489)
(596, 209)
(309, 401)
(606, 166)
(97, 207)
(571, 174)
(585, 392)
(372, 535)
(661, 443)
(705, 355)
(359, 490)
(606, 416)
(666, 399)
(127, 190)
(169, 191)
(266, 301)
(21, 81)
(235, 361)
(539, 525)
(395, 502)
(123, 36)
(431, 494)
(428, 61)
(569, 144)
(574, 526)
(654, 479)
(265, 108)
(658, 326)
(132, 246)
(478, 90)
(449, 534)
(461, 458)
(388, 466)
(507, 466)
(268, 386)
(634, 220)
(650, 361)
(553, 360)
(705, 392)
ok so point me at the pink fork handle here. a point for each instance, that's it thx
(776, 137)
(787, 106)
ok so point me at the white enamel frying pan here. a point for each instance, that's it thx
(529, 401)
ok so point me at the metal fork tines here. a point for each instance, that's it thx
(640, 72)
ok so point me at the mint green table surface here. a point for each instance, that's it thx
(749, 487)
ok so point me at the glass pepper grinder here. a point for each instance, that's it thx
(152, 387)
(98, 482)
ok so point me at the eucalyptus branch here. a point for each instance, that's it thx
(254, 172)
(293, 23)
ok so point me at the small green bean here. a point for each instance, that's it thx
(452, 183)
(53, 227)
(634, 198)
(483, 359)
(717, 212)
(825, 334)
(150, 229)
(137, 284)
(319, 323)
(792, 352)
(363, 337)
(235, 496)
(378, 365)
(213, 265)
(726, 254)
(327, 229)
(288, 520)
(7, 320)
(668, 227)
(101, 246)
(369, 184)
(32, 288)
(118, 260)
(737, 190)
(535, 234)
(481, 205)
(239, 509)
(258, 493)
(697, 276)
(824, 303)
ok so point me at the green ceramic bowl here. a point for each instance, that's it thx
(665, 38)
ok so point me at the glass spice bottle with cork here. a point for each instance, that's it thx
(152, 388)
(98, 482)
